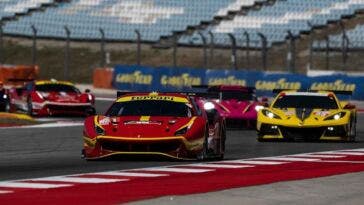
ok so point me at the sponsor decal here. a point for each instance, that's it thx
(105, 121)
(230, 80)
(279, 84)
(337, 85)
(181, 80)
(322, 113)
(137, 77)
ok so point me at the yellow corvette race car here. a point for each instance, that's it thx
(307, 116)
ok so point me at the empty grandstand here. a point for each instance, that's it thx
(263, 29)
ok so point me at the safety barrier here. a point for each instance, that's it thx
(9, 73)
(142, 78)
(103, 77)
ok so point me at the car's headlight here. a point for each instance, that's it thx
(270, 114)
(259, 107)
(89, 97)
(208, 106)
(5, 96)
(99, 130)
(337, 116)
(181, 131)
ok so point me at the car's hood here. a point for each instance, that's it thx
(235, 106)
(61, 96)
(143, 126)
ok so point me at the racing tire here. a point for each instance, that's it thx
(222, 144)
(29, 107)
(203, 155)
(352, 132)
(90, 112)
(7, 106)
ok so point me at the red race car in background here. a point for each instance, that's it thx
(172, 125)
(51, 97)
(237, 104)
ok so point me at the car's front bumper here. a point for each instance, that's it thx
(303, 133)
(176, 147)
(51, 108)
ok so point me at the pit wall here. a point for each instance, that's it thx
(142, 78)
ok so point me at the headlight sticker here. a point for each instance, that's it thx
(289, 113)
(322, 113)
(105, 121)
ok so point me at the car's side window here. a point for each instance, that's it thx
(197, 108)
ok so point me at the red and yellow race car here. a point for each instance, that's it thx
(159, 124)
(51, 97)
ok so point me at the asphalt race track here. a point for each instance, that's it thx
(40, 152)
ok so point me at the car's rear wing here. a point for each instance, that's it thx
(192, 94)
(217, 88)
(339, 92)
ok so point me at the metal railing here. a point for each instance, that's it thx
(244, 53)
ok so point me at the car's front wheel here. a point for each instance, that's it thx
(222, 143)
(30, 106)
(203, 155)
(352, 132)
(7, 106)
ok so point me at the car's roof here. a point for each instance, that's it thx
(54, 82)
(174, 97)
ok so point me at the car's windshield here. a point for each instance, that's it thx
(300, 101)
(237, 95)
(150, 108)
(56, 88)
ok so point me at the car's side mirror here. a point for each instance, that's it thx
(264, 99)
(349, 106)
(87, 90)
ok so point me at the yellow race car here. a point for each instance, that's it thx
(307, 116)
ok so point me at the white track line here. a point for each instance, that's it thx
(129, 174)
(343, 161)
(291, 159)
(57, 124)
(47, 125)
(359, 150)
(79, 180)
(29, 185)
(178, 170)
(317, 156)
(105, 99)
(344, 153)
(221, 166)
(254, 162)
(5, 192)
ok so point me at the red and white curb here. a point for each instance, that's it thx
(112, 187)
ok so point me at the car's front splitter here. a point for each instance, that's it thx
(176, 147)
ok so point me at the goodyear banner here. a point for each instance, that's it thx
(141, 78)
